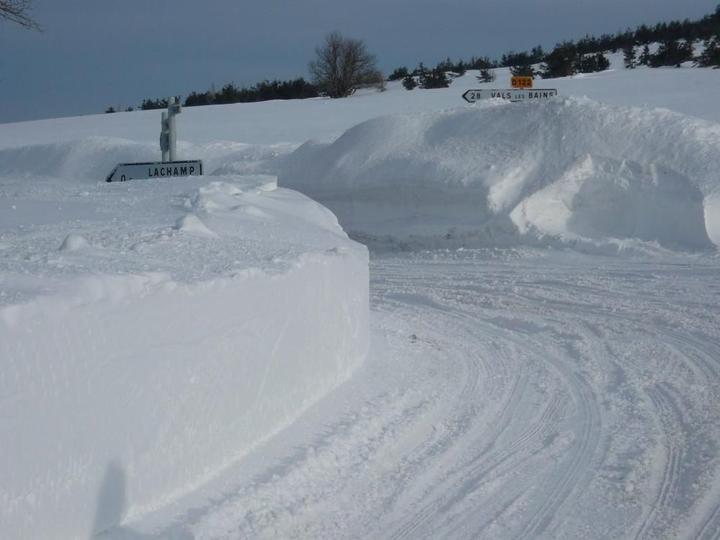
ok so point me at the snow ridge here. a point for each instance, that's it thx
(569, 172)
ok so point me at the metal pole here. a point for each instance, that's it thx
(173, 109)
(164, 136)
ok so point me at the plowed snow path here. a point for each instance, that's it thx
(509, 395)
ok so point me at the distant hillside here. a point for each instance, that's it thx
(676, 41)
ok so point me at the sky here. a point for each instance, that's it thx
(93, 54)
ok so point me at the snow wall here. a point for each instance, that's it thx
(119, 399)
(568, 172)
(122, 389)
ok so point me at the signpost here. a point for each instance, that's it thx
(168, 138)
(168, 167)
(514, 95)
(153, 169)
(521, 82)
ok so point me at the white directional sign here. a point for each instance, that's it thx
(534, 94)
(155, 169)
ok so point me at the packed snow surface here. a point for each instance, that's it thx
(189, 358)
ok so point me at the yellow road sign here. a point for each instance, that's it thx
(521, 82)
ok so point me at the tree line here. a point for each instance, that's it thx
(587, 54)
(342, 65)
(262, 91)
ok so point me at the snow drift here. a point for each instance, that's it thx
(149, 344)
(569, 172)
(93, 158)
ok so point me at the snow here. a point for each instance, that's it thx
(535, 356)
(572, 171)
(508, 394)
(151, 333)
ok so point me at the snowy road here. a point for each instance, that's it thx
(586, 404)
(509, 395)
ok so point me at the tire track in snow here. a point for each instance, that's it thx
(710, 529)
(464, 485)
(673, 453)
(517, 398)
(600, 306)
(464, 415)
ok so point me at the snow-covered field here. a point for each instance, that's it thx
(189, 358)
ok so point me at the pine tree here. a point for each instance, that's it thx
(435, 78)
(629, 56)
(561, 62)
(537, 54)
(480, 63)
(522, 71)
(409, 82)
(150, 104)
(672, 53)
(601, 62)
(645, 56)
(590, 63)
(710, 57)
(486, 76)
(399, 73)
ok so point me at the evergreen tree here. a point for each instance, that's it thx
(227, 94)
(710, 57)
(561, 62)
(672, 53)
(435, 78)
(486, 76)
(480, 63)
(520, 59)
(645, 56)
(601, 62)
(590, 63)
(537, 54)
(195, 99)
(151, 104)
(409, 82)
(629, 56)
(643, 34)
(458, 68)
(522, 71)
(399, 73)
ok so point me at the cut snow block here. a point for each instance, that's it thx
(118, 403)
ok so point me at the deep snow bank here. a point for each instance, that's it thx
(571, 171)
(153, 332)
(92, 158)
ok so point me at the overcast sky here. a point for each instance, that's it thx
(97, 53)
